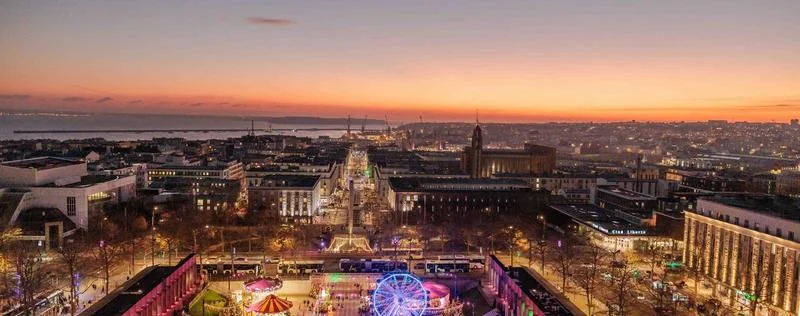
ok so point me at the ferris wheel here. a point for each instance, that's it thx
(400, 294)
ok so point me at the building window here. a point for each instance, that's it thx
(71, 210)
(747, 223)
(791, 235)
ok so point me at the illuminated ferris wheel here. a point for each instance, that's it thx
(400, 294)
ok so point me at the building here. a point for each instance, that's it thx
(212, 186)
(629, 205)
(750, 247)
(556, 183)
(290, 196)
(208, 194)
(532, 160)
(522, 291)
(604, 227)
(230, 171)
(48, 182)
(710, 183)
(764, 183)
(40, 171)
(788, 183)
(427, 199)
(157, 290)
(136, 169)
(407, 162)
(651, 187)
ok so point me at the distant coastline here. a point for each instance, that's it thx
(293, 120)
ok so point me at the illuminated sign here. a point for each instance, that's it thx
(619, 231)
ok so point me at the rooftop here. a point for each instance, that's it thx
(32, 220)
(87, 181)
(627, 194)
(41, 163)
(600, 219)
(289, 180)
(423, 183)
(545, 297)
(130, 292)
(783, 207)
(168, 167)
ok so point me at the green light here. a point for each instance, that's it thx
(674, 264)
(745, 295)
(335, 277)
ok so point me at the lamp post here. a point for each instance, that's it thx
(153, 235)
(511, 244)
(543, 241)
(541, 218)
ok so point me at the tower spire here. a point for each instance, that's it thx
(476, 117)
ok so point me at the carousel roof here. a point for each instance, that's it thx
(272, 304)
(435, 290)
(262, 284)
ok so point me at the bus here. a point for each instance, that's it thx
(440, 266)
(476, 262)
(371, 265)
(301, 266)
(404, 253)
(226, 268)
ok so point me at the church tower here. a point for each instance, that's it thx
(475, 152)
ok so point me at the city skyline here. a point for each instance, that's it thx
(515, 61)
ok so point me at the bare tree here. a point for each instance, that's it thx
(623, 287)
(652, 256)
(659, 294)
(31, 276)
(564, 255)
(71, 257)
(592, 258)
(107, 254)
(7, 282)
(108, 250)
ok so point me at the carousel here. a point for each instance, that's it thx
(258, 297)
(270, 305)
(438, 297)
(263, 285)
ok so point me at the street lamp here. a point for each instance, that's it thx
(153, 236)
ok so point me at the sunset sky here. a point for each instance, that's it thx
(528, 60)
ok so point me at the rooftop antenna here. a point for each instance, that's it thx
(476, 117)
(252, 128)
(388, 128)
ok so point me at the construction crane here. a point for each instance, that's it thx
(364, 125)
